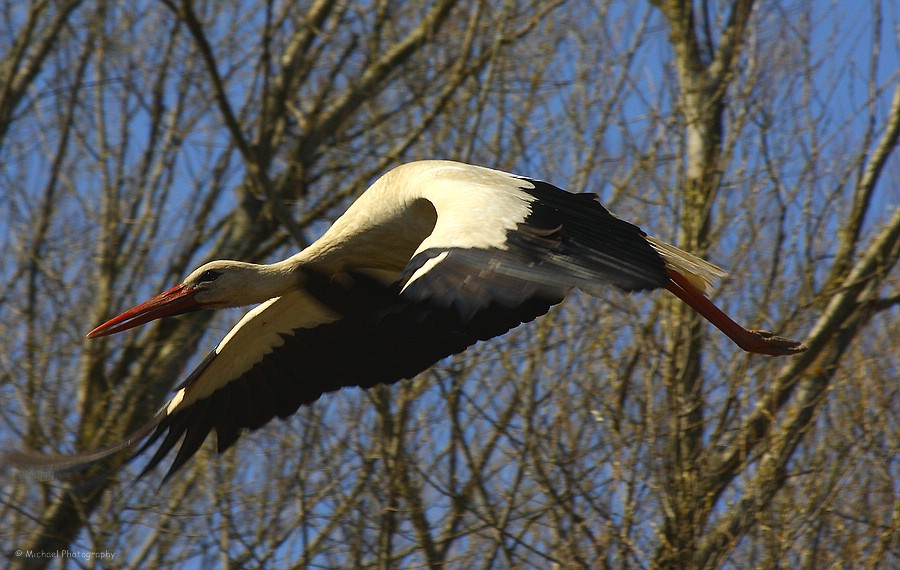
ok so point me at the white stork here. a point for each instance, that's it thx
(433, 257)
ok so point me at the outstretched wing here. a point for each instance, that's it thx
(335, 333)
(558, 240)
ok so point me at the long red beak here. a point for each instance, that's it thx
(175, 301)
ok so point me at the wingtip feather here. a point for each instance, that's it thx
(49, 466)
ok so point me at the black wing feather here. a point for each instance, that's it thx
(590, 243)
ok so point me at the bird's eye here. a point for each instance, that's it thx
(208, 275)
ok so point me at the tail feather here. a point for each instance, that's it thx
(699, 272)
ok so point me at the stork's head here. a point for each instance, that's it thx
(217, 284)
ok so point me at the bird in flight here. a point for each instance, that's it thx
(432, 258)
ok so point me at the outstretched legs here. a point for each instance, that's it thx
(760, 342)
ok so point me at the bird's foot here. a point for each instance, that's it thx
(767, 342)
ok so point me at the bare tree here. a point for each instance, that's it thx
(136, 143)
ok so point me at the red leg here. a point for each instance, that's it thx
(760, 342)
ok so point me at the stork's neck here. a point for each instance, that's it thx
(274, 280)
